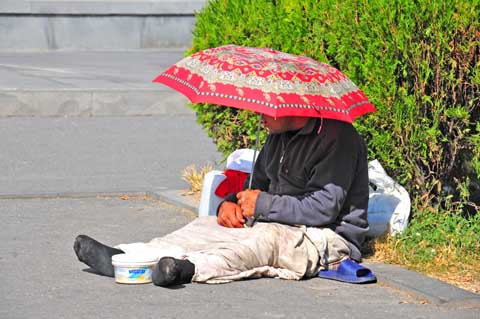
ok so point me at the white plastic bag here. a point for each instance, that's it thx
(241, 160)
(389, 203)
(209, 201)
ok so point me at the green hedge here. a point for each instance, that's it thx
(417, 61)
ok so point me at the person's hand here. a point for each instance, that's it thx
(247, 200)
(230, 215)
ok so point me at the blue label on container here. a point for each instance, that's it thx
(135, 273)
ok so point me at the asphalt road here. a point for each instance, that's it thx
(43, 279)
(100, 154)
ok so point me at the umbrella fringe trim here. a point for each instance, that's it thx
(274, 106)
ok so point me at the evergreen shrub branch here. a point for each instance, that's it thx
(417, 61)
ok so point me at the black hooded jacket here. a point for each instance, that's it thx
(317, 176)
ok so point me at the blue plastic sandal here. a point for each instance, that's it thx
(351, 272)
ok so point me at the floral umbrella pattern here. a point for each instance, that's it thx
(267, 81)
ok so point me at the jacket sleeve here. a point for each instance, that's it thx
(330, 180)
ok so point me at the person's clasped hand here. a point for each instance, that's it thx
(247, 200)
(230, 215)
(233, 215)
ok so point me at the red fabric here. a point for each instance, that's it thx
(233, 183)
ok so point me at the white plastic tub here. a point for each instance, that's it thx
(133, 269)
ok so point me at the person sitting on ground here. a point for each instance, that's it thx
(310, 177)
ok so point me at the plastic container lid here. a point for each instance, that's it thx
(133, 259)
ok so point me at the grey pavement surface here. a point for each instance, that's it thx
(85, 70)
(43, 279)
(51, 155)
(87, 84)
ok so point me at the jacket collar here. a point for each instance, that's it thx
(311, 126)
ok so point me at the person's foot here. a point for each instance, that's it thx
(96, 255)
(170, 271)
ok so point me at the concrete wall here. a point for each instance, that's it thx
(96, 25)
(102, 7)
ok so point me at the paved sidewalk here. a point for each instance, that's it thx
(88, 84)
(43, 279)
(100, 154)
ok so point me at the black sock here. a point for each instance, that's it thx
(96, 255)
(170, 271)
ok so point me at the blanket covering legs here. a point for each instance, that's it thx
(223, 254)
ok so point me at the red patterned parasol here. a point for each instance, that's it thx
(268, 82)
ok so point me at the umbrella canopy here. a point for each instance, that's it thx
(268, 82)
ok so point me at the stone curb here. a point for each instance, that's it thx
(91, 102)
(424, 288)
(88, 84)
(74, 195)
(175, 197)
